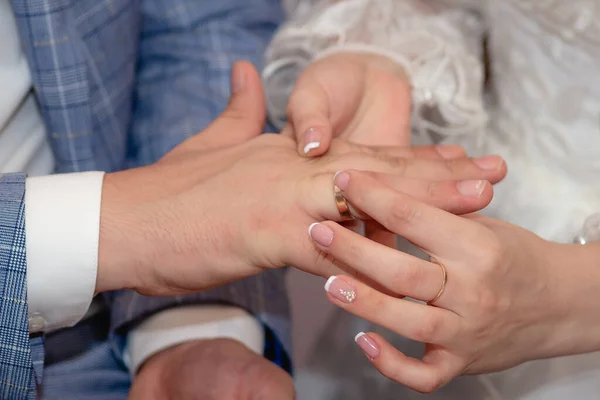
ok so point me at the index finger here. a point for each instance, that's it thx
(434, 230)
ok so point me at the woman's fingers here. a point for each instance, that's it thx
(436, 231)
(396, 271)
(457, 197)
(412, 320)
(422, 376)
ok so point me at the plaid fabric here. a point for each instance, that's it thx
(17, 378)
(120, 83)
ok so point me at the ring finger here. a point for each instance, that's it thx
(396, 271)
(407, 318)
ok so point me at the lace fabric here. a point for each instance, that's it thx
(541, 112)
(438, 46)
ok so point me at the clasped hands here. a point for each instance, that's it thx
(229, 203)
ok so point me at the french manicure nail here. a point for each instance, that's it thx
(341, 180)
(488, 162)
(449, 151)
(340, 289)
(322, 234)
(312, 138)
(471, 188)
(367, 345)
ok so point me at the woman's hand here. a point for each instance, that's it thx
(229, 202)
(510, 296)
(362, 98)
(359, 97)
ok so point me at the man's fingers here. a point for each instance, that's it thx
(457, 197)
(244, 117)
(309, 118)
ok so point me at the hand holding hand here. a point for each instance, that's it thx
(228, 203)
(509, 297)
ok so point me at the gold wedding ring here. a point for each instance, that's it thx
(342, 204)
(444, 281)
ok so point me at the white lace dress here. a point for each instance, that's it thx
(540, 110)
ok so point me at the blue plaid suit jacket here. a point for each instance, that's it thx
(120, 83)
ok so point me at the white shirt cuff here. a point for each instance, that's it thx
(62, 228)
(183, 324)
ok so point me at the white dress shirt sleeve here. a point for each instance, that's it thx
(62, 217)
(183, 324)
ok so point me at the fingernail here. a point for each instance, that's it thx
(450, 151)
(367, 345)
(322, 234)
(341, 179)
(312, 138)
(238, 81)
(340, 289)
(471, 188)
(488, 162)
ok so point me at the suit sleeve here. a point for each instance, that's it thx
(21, 358)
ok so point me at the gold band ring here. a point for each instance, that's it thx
(342, 204)
(444, 281)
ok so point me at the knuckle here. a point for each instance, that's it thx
(432, 189)
(427, 328)
(407, 276)
(401, 213)
(400, 164)
(354, 253)
(432, 383)
(453, 166)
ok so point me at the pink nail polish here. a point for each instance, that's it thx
(322, 234)
(471, 188)
(312, 140)
(488, 162)
(341, 180)
(367, 345)
(340, 289)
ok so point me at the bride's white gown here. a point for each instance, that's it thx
(540, 110)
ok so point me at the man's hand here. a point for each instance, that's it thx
(220, 369)
(226, 204)
(363, 98)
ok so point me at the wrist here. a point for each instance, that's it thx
(121, 249)
(576, 269)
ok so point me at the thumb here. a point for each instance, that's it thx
(308, 114)
(244, 117)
